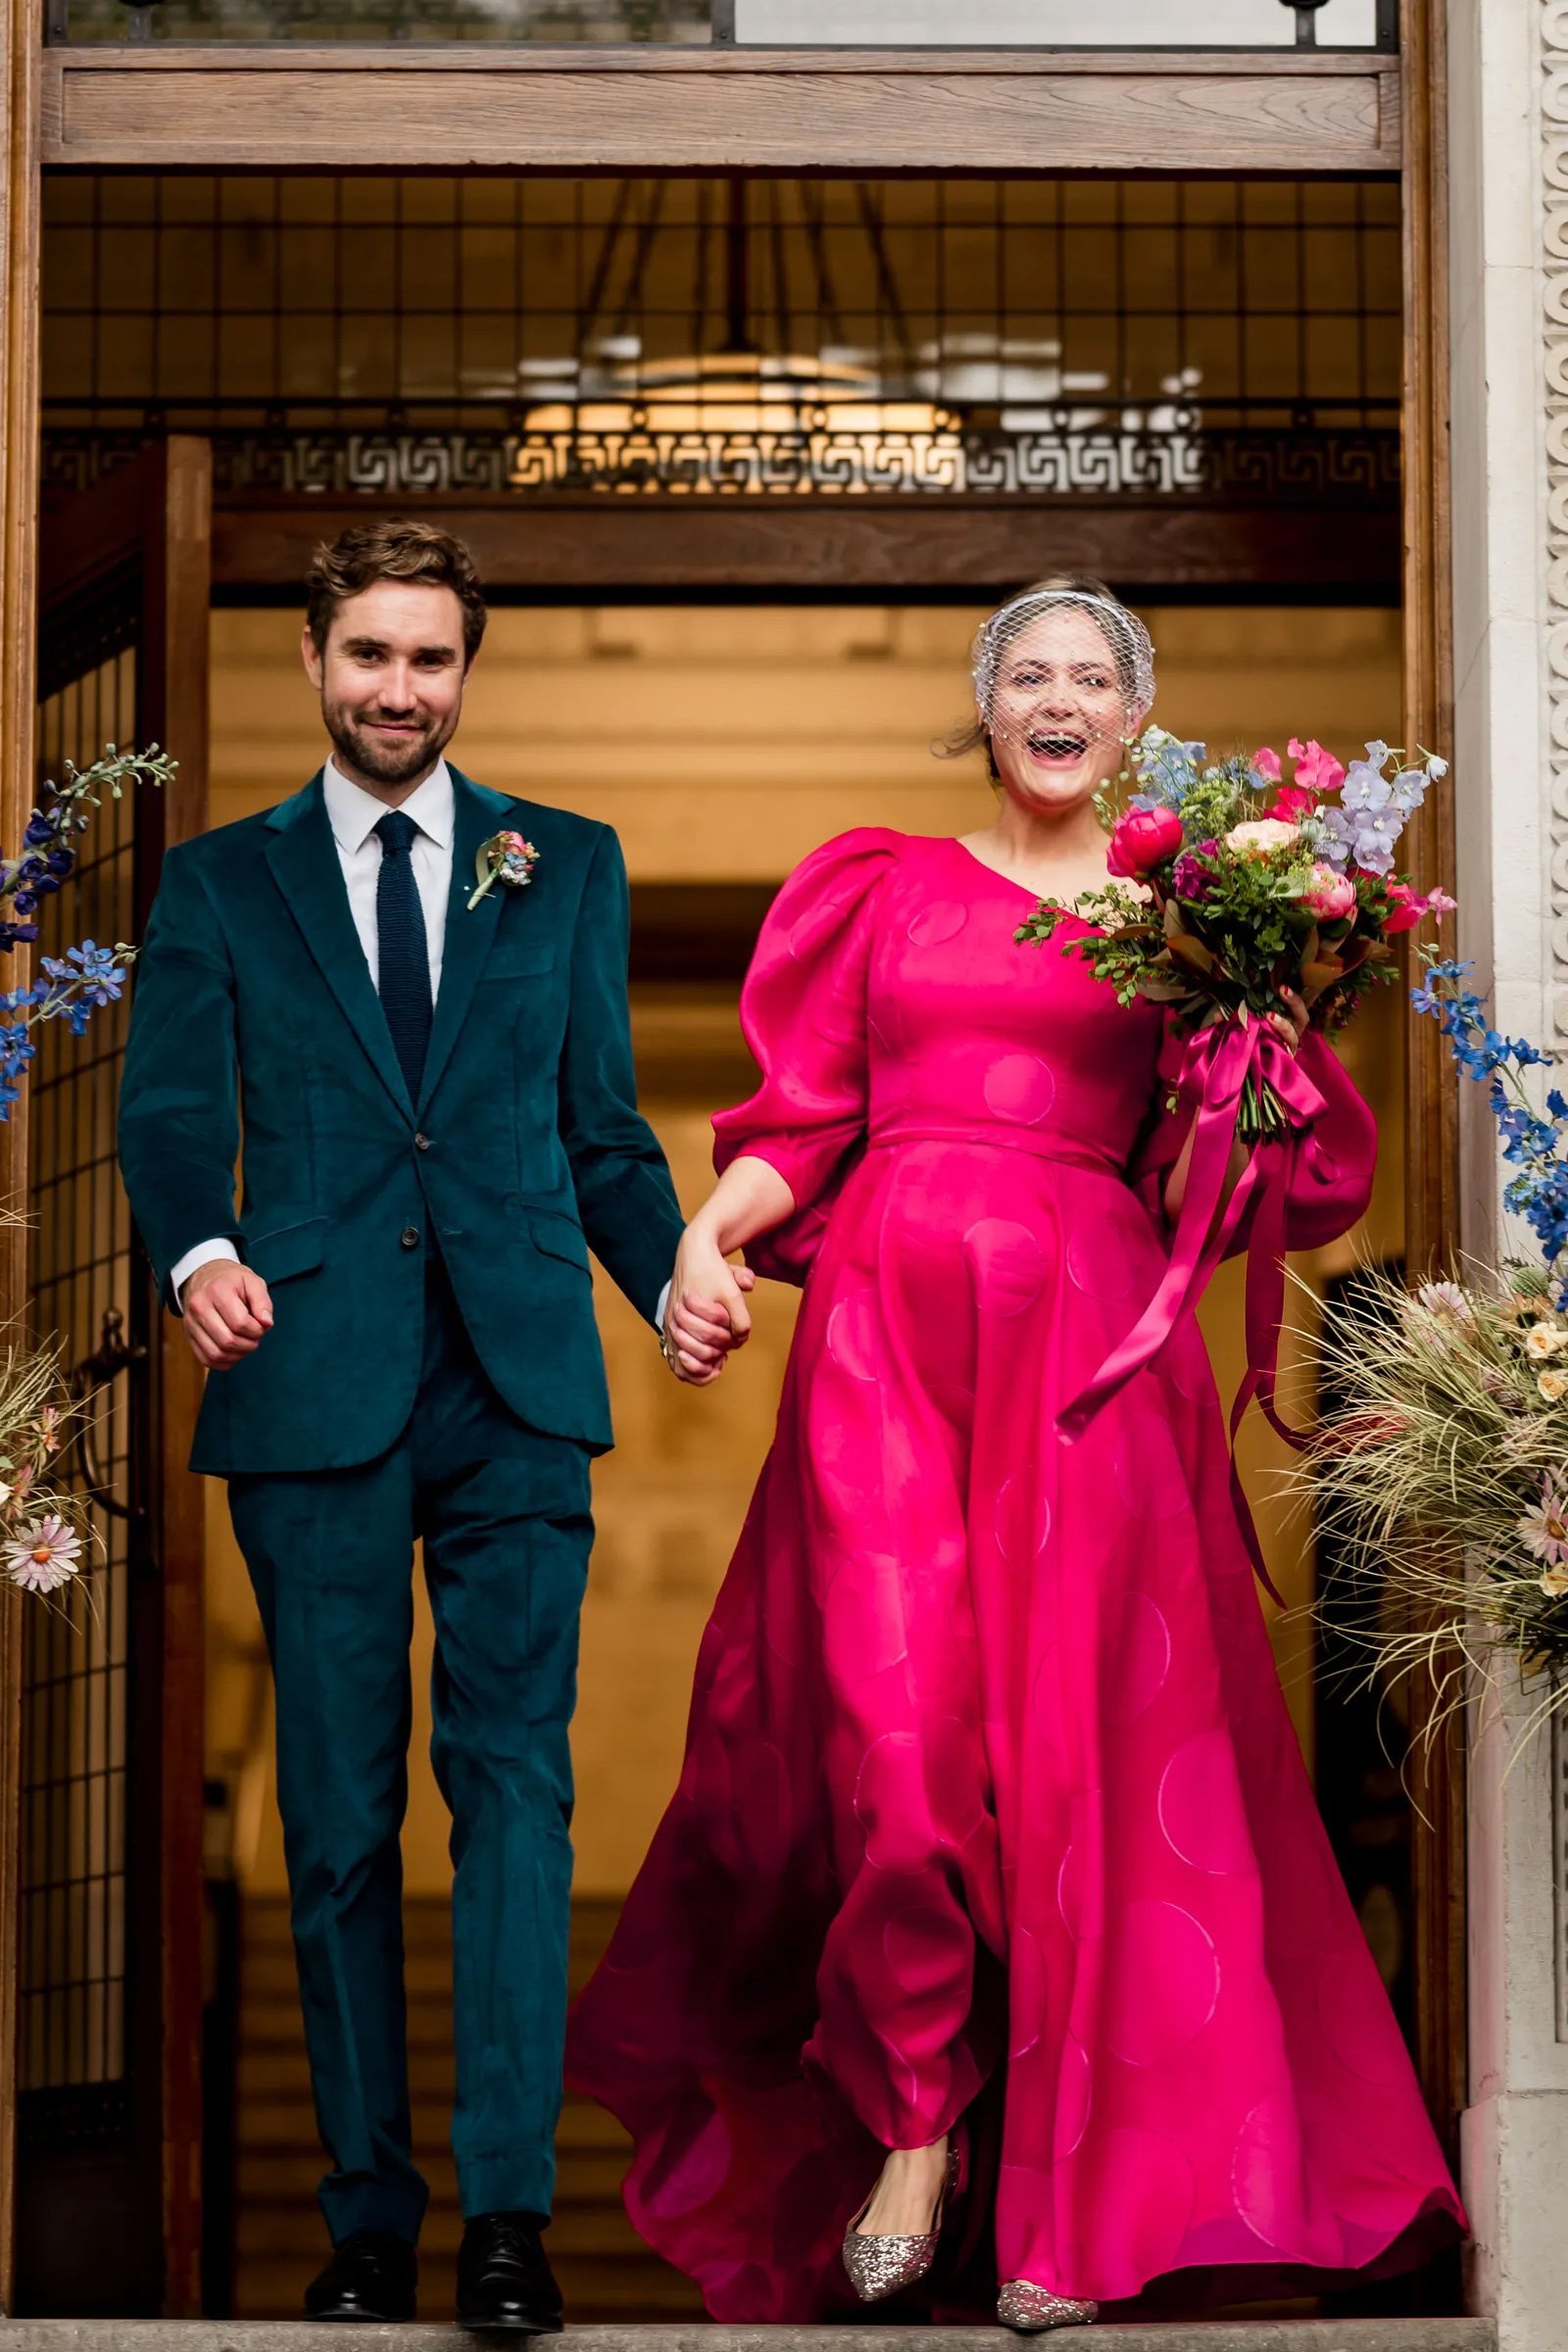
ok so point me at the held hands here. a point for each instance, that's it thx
(228, 1314)
(706, 1318)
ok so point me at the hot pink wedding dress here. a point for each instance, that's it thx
(991, 1812)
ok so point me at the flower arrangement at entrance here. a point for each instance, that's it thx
(43, 1531)
(1252, 885)
(1442, 1474)
(73, 986)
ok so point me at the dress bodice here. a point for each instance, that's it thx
(970, 1033)
(889, 1001)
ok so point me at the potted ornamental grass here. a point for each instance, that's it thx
(1440, 1477)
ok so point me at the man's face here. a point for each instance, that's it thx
(391, 681)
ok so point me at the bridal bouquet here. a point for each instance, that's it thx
(1442, 1473)
(1254, 886)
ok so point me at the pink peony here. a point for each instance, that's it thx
(1316, 770)
(1330, 894)
(1142, 840)
(1261, 837)
(1266, 764)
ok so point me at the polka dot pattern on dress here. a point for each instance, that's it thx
(1020, 1088)
(1164, 1982)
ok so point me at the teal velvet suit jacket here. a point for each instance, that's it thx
(254, 1006)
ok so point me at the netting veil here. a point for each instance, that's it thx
(1127, 642)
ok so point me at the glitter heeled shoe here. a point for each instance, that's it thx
(879, 2267)
(1029, 2309)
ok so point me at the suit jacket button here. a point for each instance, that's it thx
(421, 1143)
(411, 1237)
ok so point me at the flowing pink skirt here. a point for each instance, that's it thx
(991, 1812)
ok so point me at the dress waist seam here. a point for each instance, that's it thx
(1002, 1139)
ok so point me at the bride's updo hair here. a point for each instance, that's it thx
(1127, 641)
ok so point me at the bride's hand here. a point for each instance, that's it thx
(1293, 1024)
(706, 1316)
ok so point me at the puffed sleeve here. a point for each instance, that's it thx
(803, 1015)
(1331, 1162)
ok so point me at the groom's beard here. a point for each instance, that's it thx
(386, 760)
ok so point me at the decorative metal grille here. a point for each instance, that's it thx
(77, 1696)
(688, 338)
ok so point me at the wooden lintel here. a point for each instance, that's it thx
(458, 109)
(716, 548)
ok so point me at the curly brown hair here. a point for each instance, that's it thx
(393, 548)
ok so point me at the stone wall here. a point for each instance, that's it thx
(1508, 119)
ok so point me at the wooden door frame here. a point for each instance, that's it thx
(1438, 1771)
(210, 110)
(152, 518)
(20, 325)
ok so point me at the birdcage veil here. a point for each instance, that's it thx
(1128, 641)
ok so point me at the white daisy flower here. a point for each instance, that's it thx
(1445, 1299)
(1545, 1528)
(44, 1556)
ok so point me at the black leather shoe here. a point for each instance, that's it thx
(503, 2278)
(370, 2277)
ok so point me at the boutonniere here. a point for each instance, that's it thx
(505, 858)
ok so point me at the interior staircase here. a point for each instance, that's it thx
(606, 2272)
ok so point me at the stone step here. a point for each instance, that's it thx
(1222, 2335)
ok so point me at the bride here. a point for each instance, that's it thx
(992, 1932)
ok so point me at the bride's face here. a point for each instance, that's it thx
(1058, 716)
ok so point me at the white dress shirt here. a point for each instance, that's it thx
(354, 814)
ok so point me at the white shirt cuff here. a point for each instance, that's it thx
(663, 1302)
(204, 1253)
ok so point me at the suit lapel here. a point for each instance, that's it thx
(470, 934)
(304, 859)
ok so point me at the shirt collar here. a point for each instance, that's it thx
(354, 814)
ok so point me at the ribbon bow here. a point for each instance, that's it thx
(1218, 1064)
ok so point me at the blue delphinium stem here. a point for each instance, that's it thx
(73, 986)
(1532, 1145)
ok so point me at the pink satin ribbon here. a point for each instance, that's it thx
(1224, 1059)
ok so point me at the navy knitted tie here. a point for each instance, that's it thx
(405, 951)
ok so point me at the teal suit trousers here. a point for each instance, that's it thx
(502, 1512)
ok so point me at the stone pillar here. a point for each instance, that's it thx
(1508, 167)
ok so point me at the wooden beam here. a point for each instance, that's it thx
(468, 108)
(20, 248)
(851, 546)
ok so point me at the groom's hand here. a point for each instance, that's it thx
(228, 1314)
(706, 1316)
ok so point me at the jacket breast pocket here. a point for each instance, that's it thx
(288, 1249)
(519, 963)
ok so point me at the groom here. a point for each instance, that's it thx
(435, 1105)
